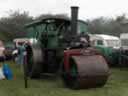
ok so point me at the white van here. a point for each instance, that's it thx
(106, 40)
(124, 40)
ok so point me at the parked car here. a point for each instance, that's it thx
(2, 57)
(8, 49)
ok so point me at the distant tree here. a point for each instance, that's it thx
(50, 15)
(43, 16)
(13, 25)
(108, 26)
(62, 16)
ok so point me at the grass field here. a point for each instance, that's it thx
(117, 85)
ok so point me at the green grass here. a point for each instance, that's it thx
(117, 85)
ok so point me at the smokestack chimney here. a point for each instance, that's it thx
(74, 18)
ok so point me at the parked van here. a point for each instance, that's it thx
(124, 50)
(108, 45)
(106, 40)
(124, 40)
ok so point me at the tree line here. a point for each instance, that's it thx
(12, 26)
(110, 26)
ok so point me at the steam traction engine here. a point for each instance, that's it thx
(63, 44)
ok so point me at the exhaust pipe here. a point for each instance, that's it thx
(74, 18)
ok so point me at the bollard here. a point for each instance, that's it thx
(25, 71)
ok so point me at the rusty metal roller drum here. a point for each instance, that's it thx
(87, 72)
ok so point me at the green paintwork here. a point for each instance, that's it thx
(112, 55)
(35, 29)
(106, 50)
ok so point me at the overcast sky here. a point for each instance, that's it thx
(88, 8)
